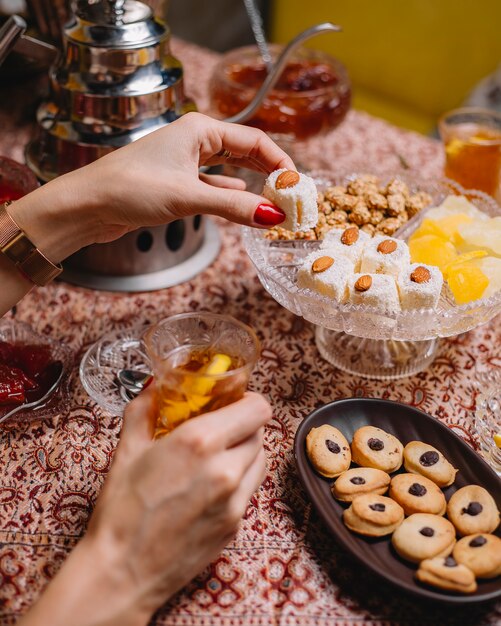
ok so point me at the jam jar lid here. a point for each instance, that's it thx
(108, 24)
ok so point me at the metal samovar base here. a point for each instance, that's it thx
(152, 281)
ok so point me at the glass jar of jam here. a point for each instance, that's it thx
(16, 180)
(311, 96)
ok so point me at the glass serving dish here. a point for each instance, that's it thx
(55, 402)
(359, 339)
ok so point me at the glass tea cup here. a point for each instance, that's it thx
(472, 142)
(487, 420)
(201, 362)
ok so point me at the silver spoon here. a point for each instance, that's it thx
(40, 401)
(132, 382)
(274, 75)
(258, 31)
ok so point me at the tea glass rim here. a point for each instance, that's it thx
(443, 121)
(344, 80)
(153, 354)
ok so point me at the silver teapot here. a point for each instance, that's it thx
(115, 81)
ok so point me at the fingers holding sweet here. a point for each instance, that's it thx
(237, 206)
(243, 142)
(224, 182)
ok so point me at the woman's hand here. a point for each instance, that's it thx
(167, 509)
(156, 179)
(152, 181)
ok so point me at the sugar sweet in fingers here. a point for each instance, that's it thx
(296, 195)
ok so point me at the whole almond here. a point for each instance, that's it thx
(350, 236)
(286, 179)
(420, 275)
(387, 246)
(363, 283)
(321, 264)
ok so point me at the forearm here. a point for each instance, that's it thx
(89, 591)
(59, 218)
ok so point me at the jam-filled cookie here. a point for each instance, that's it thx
(328, 451)
(480, 553)
(359, 480)
(417, 494)
(446, 573)
(421, 458)
(424, 536)
(472, 510)
(373, 516)
(374, 447)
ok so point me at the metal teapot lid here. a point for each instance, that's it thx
(114, 24)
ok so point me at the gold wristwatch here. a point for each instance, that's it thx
(28, 259)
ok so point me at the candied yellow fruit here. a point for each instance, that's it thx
(484, 234)
(497, 439)
(467, 282)
(427, 227)
(449, 226)
(491, 267)
(432, 250)
(465, 244)
(463, 258)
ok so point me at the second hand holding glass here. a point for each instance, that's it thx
(201, 362)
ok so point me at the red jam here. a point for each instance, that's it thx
(308, 98)
(26, 372)
(305, 76)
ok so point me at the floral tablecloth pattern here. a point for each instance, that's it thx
(283, 568)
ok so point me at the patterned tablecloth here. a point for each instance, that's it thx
(283, 568)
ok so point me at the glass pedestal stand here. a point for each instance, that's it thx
(384, 359)
(361, 340)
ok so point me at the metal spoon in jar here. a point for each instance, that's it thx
(38, 402)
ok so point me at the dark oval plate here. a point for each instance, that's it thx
(408, 424)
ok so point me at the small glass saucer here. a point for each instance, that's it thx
(118, 349)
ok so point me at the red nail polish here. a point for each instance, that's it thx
(268, 215)
(148, 382)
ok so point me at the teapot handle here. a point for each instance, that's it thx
(278, 68)
(10, 32)
(12, 38)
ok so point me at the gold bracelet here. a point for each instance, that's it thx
(28, 259)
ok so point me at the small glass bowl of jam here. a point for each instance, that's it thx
(16, 180)
(312, 95)
(34, 369)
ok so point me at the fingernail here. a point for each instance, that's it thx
(268, 215)
(148, 382)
